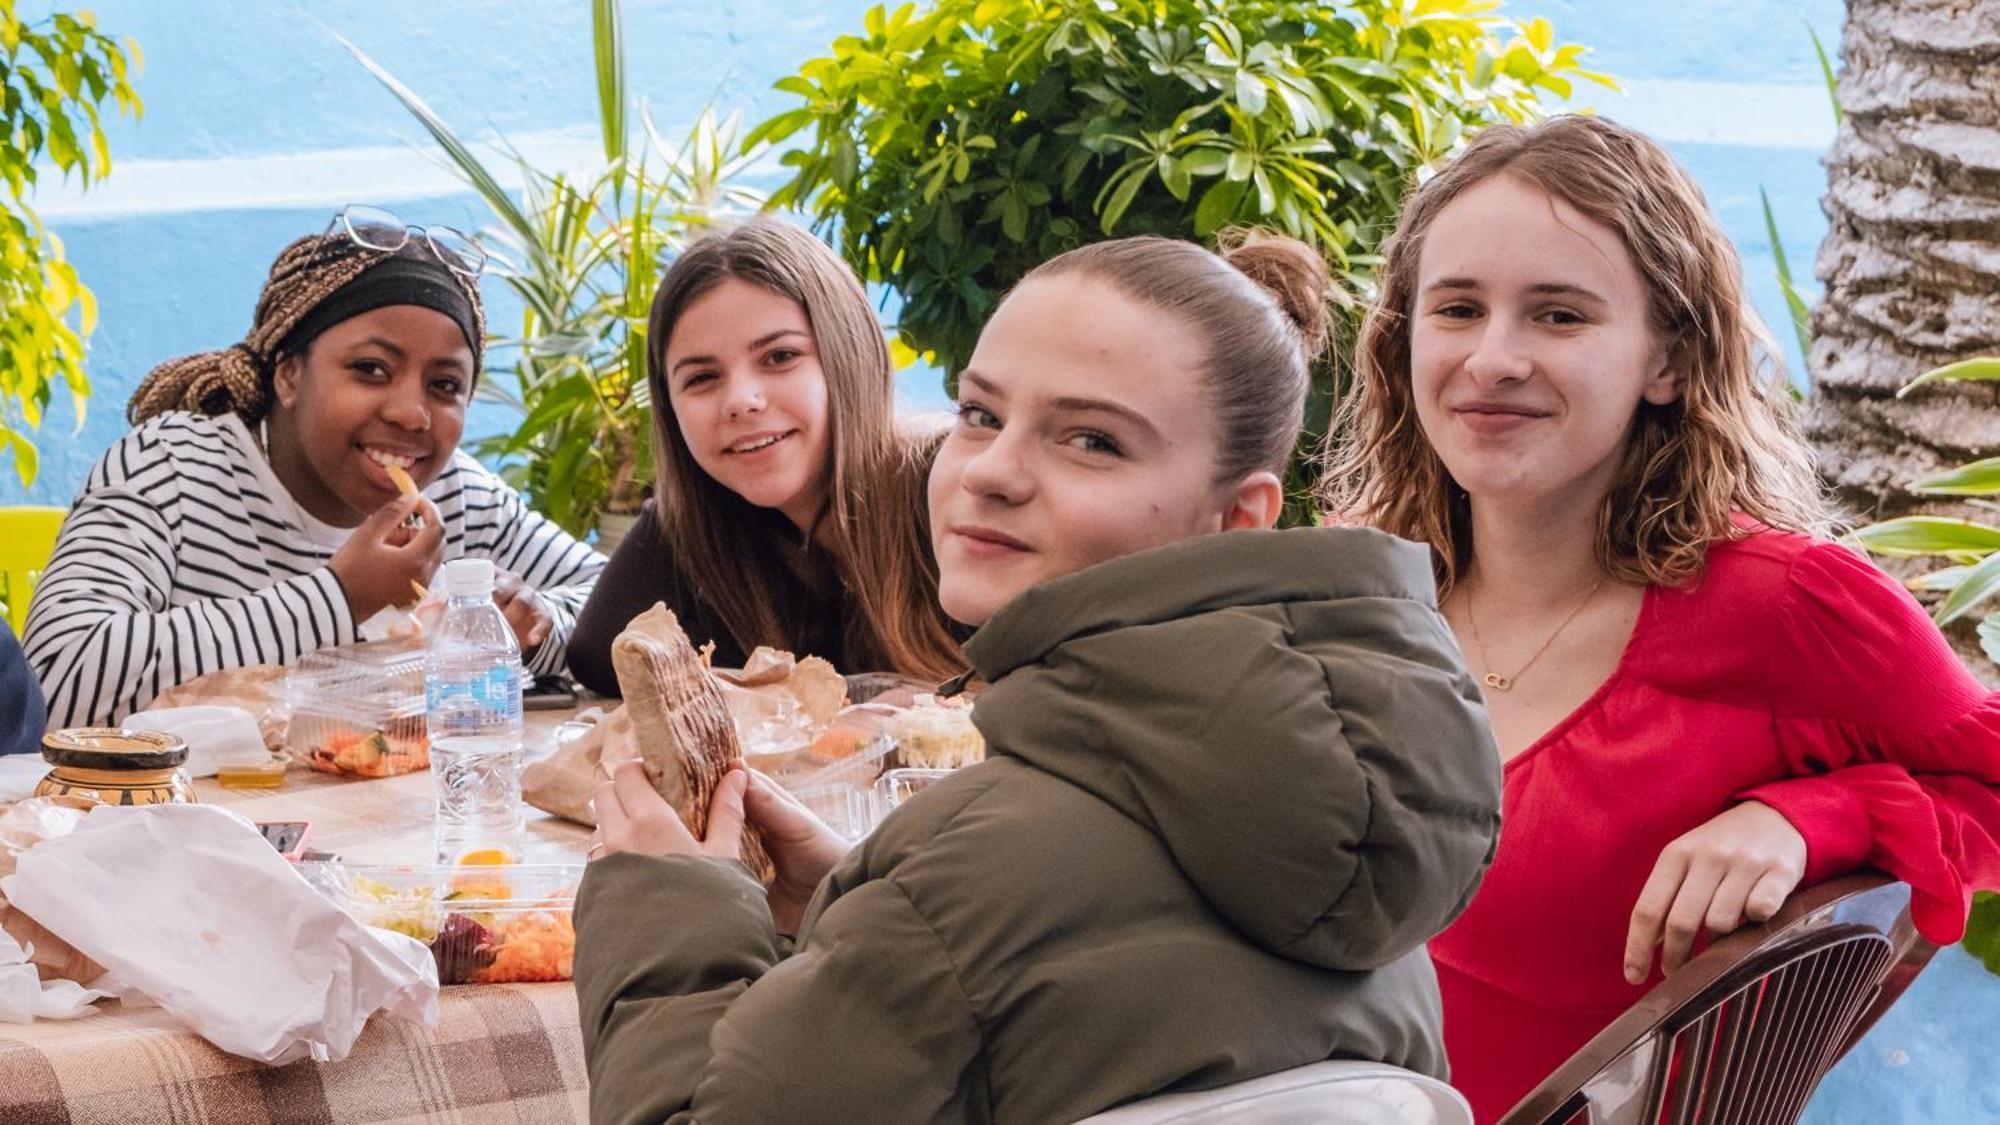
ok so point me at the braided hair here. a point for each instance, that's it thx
(237, 380)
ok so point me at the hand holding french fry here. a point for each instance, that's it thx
(383, 557)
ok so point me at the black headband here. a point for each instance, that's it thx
(396, 280)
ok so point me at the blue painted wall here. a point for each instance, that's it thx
(177, 242)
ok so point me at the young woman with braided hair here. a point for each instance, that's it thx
(253, 515)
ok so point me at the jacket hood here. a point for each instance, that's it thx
(1285, 710)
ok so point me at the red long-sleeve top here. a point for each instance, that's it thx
(1794, 673)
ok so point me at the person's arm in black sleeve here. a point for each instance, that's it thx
(638, 575)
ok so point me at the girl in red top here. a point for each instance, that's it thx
(1700, 702)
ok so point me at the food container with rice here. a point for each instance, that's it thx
(485, 924)
(358, 710)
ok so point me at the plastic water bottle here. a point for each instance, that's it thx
(472, 694)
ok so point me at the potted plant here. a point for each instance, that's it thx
(583, 254)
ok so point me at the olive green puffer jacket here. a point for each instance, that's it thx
(1234, 784)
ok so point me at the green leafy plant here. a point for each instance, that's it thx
(951, 148)
(1972, 578)
(1826, 73)
(1795, 302)
(55, 74)
(1972, 548)
(1982, 930)
(583, 254)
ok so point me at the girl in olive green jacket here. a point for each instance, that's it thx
(1235, 780)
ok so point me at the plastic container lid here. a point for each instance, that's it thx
(366, 681)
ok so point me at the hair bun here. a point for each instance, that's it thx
(1293, 273)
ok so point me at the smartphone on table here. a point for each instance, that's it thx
(288, 836)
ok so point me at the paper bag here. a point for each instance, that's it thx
(776, 698)
(189, 905)
(561, 784)
(216, 736)
(53, 958)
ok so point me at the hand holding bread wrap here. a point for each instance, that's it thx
(687, 747)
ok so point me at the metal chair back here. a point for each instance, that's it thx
(1743, 1033)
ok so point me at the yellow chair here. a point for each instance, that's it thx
(27, 539)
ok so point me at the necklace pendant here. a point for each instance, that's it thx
(1497, 682)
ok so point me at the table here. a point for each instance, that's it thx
(500, 1053)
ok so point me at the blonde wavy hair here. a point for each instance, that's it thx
(1727, 445)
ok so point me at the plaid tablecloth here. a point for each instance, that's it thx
(500, 1054)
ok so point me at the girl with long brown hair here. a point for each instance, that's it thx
(1700, 701)
(788, 509)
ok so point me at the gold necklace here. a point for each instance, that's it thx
(1495, 680)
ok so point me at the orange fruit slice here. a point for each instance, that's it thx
(486, 857)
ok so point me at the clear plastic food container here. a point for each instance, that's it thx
(502, 924)
(841, 793)
(359, 709)
(898, 786)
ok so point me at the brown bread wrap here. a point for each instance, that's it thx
(680, 723)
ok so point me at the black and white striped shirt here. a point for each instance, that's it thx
(184, 555)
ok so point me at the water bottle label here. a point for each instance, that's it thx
(468, 704)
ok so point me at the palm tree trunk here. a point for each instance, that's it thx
(1911, 261)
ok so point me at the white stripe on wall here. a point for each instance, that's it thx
(1676, 112)
(1739, 114)
(327, 178)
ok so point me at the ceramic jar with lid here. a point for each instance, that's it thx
(115, 766)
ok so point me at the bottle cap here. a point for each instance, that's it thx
(468, 577)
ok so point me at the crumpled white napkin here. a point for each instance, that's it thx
(189, 905)
(24, 998)
(216, 735)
